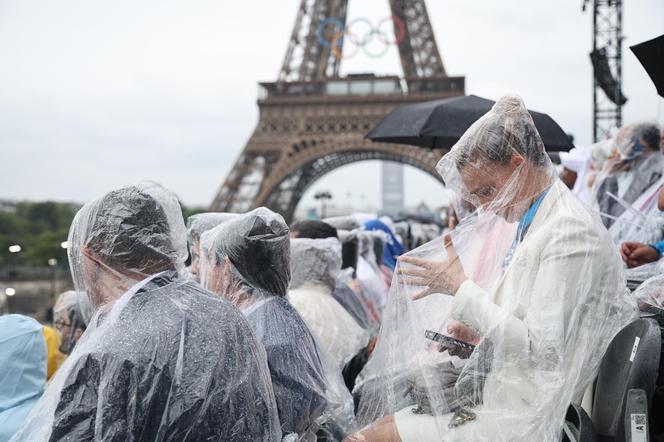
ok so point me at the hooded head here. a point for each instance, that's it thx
(635, 139)
(315, 261)
(313, 229)
(68, 318)
(392, 246)
(499, 164)
(122, 238)
(22, 370)
(349, 249)
(575, 162)
(631, 146)
(196, 226)
(599, 153)
(343, 222)
(247, 256)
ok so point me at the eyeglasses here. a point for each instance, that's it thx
(60, 324)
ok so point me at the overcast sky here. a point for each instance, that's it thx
(97, 94)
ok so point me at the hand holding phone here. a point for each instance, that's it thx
(453, 346)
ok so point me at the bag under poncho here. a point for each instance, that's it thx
(534, 282)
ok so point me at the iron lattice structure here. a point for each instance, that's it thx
(312, 120)
(607, 35)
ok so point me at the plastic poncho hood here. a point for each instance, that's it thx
(202, 222)
(257, 244)
(163, 358)
(633, 166)
(315, 265)
(315, 261)
(22, 370)
(307, 390)
(69, 308)
(123, 237)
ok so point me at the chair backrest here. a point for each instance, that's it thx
(630, 362)
(578, 427)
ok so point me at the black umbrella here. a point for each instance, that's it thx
(440, 123)
(651, 55)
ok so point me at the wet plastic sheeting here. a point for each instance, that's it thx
(23, 367)
(651, 294)
(161, 358)
(138, 229)
(642, 221)
(196, 225)
(351, 301)
(315, 265)
(632, 167)
(534, 282)
(370, 277)
(308, 387)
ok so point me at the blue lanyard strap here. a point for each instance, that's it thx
(527, 218)
(522, 229)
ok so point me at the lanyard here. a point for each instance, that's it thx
(527, 218)
(522, 229)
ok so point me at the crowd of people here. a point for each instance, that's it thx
(240, 327)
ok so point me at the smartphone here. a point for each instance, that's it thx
(447, 341)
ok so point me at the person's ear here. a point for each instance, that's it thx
(224, 266)
(88, 253)
(227, 264)
(517, 160)
(77, 334)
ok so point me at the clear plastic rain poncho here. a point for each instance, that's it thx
(351, 301)
(348, 291)
(68, 318)
(342, 293)
(369, 274)
(315, 266)
(642, 221)
(634, 165)
(650, 296)
(196, 225)
(22, 370)
(494, 342)
(343, 222)
(161, 358)
(247, 261)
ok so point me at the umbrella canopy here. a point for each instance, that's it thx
(651, 55)
(440, 124)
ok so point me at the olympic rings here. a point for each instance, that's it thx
(342, 32)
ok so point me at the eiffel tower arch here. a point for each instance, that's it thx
(312, 120)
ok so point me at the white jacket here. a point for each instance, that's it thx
(547, 319)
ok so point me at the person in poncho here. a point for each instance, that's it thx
(161, 358)
(539, 322)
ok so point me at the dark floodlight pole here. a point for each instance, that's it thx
(607, 34)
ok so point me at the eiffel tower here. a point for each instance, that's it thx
(312, 120)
